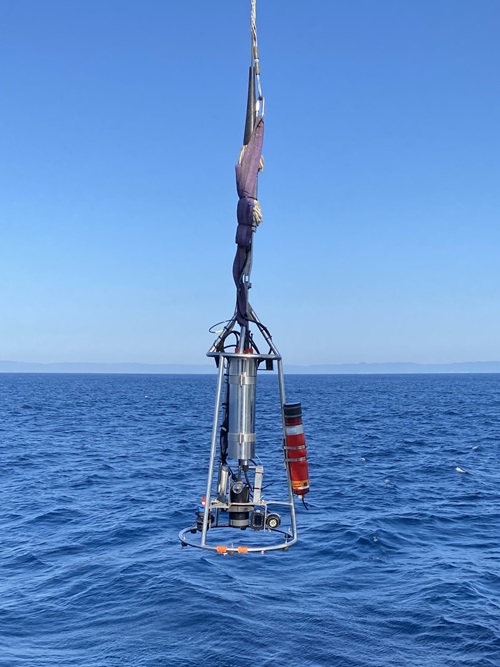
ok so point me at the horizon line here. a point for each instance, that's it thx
(347, 368)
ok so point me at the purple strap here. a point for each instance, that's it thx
(246, 184)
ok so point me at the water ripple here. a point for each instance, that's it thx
(397, 562)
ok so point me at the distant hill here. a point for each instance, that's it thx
(77, 367)
(196, 369)
(398, 367)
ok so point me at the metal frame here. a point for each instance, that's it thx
(213, 507)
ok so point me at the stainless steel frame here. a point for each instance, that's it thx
(217, 504)
(239, 369)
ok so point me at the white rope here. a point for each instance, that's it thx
(242, 153)
(253, 27)
(255, 57)
(257, 213)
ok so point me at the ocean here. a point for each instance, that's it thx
(398, 558)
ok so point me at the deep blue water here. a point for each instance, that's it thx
(398, 559)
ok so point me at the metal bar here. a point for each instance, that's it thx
(243, 335)
(263, 331)
(250, 117)
(257, 485)
(213, 447)
(238, 355)
(293, 519)
(289, 541)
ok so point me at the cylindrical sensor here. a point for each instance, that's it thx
(295, 448)
(241, 428)
(257, 485)
(239, 514)
(222, 483)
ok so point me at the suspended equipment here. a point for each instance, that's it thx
(236, 499)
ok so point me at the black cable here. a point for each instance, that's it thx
(224, 429)
(222, 345)
(211, 329)
(245, 472)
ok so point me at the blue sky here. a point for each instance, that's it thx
(121, 123)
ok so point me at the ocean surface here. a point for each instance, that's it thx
(398, 559)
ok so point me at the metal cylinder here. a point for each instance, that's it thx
(257, 485)
(241, 427)
(250, 119)
(222, 483)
